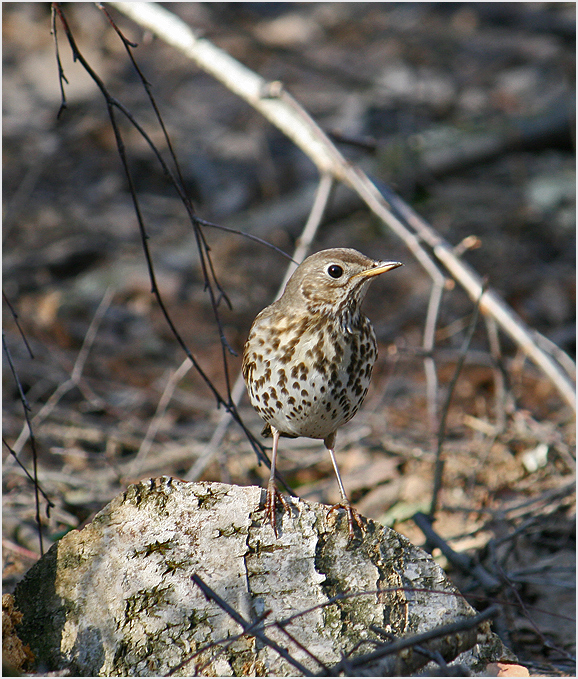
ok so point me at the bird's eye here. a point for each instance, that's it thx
(335, 271)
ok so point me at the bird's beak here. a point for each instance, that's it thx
(378, 268)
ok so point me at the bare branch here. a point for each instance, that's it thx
(443, 631)
(76, 374)
(443, 420)
(248, 627)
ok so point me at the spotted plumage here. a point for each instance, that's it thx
(309, 356)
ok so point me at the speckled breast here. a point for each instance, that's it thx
(307, 378)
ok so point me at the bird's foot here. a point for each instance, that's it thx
(353, 517)
(273, 496)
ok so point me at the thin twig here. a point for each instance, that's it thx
(223, 645)
(247, 235)
(554, 350)
(430, 655)
(61, 77)
(174, 378)
(312, 225)
(410, 642)
(428, 346)
(15, 317)
(300, 646)
(27, 473)
(500, 375)
(238, 618)
(461, 561)
(22, 552)
(75, 375)
(438, 473)
(529, 618)
(26, 409)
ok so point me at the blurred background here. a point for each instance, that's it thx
(467, 110)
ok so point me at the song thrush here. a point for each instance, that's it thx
(307, 362)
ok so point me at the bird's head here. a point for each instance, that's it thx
(334, 281)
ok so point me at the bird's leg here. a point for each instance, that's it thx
(352, 514)
(272, 493)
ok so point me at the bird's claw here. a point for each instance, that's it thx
(273, 496)
(352, 517)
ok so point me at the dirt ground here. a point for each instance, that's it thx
(465, 109)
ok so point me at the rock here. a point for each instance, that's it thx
(117, 598)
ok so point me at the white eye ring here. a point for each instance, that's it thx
(335, 271)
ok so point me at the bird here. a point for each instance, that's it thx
(308, 359)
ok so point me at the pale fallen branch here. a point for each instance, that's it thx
(75, 376)
(173, 380)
